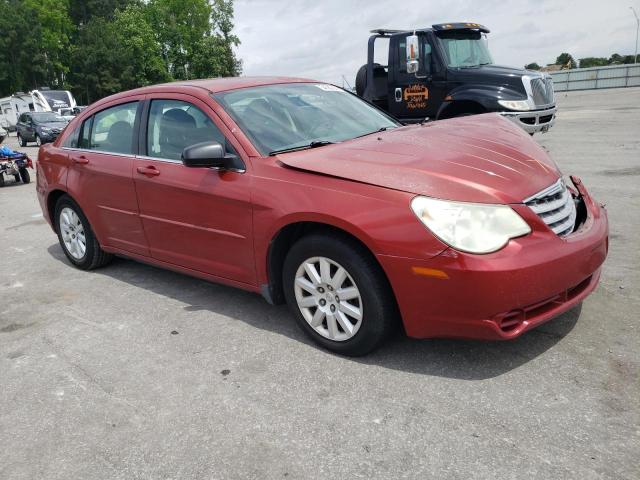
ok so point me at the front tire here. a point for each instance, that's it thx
(24, 175)
(338, 294)
(22, 141)
(76, 237)
(38, 140)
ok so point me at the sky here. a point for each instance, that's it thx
(326, 39)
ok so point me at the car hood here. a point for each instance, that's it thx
(56, 125)
(483, 158)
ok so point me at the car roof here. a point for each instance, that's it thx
(215, 85)
(211, 85)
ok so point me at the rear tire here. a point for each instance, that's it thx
(76, 237)
(24, 175)
(1, 180)
(367, 301)
(17, 178)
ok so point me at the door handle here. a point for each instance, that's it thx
(81, 160)
(398, 94)
(149, 171)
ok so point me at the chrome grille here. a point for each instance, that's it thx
(542, 91)
(556, 207)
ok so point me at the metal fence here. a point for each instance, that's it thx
(597, 77)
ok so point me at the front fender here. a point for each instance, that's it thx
(486, 96)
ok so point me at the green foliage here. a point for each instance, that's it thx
(566, 59)
(99, 47)
(593, 62)
(617, 59)
(114, 56)
(532, 66)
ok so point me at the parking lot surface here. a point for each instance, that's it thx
(134, 372)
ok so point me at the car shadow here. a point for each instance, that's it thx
(460, 359)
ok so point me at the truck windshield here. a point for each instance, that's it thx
(301, 115)
(465, 49)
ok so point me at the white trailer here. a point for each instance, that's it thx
(18, 103)
(56, 99)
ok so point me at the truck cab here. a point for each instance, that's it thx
(447, 71)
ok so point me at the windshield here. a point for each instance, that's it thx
(47, 118)
(287, 116)
(465, 49)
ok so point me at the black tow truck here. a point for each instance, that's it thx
(447, 71)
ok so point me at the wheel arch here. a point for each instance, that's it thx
(457, 107)
(52, 199)
(284, 239)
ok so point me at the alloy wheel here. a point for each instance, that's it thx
(72, 232)
(328, 298)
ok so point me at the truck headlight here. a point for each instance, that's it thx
(470, 227)
(520, 105)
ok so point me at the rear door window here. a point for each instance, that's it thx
(113, 129)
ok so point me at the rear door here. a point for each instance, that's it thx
(198, 218)
(101, 178)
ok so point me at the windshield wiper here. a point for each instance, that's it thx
(382, 129)
(314, 144)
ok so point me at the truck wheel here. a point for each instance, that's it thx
(76, 237)
(22, 141)
(338, 294)
(24, 175)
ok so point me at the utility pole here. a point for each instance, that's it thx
(635, 58)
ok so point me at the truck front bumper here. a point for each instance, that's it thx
(533, 121)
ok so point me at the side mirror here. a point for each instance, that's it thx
(204, 155)
(211, 155)
(413, 54)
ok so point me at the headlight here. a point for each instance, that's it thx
(470, 227)
(45, 129)
(521, 105)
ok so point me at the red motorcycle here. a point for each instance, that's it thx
(14, 164)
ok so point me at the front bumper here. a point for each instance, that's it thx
(503, 294)
(48, 137)
(533, 121)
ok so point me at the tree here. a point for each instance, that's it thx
(179, 26)
(17, 70)
(195, 37)
(55, 29)
(115, 56)
(99, 47)
(593, 62)
(82, 11)
(532, 66)
(567, 60)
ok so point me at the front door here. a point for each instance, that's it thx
(414, 96)
(198, 218)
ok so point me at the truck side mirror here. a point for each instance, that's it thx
(413, 54)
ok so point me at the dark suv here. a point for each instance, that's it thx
(39, 127)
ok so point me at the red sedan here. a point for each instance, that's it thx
(307, 194)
